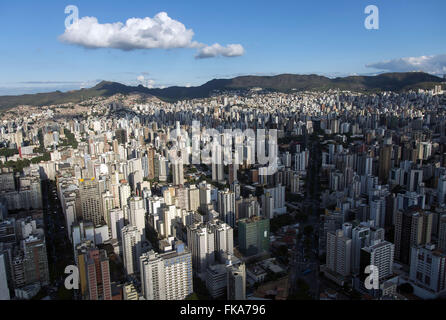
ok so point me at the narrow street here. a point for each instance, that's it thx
(305, 258)
(59, 250)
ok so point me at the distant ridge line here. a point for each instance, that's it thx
(281, 83)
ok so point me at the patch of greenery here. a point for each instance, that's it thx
(46, 157)
(6, 152)
(70, 140)
(17, 166)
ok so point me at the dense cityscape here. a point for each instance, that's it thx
(354, 208)
(222, 159)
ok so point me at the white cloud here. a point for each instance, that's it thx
(215, 50)
(149, 83)
(159, 32)
(148, 33)
(435, 64)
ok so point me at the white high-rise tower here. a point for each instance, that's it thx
(131, 248)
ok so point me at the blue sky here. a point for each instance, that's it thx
(319, 36)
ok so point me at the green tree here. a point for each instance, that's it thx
(6, 152)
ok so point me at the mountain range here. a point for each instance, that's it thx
(281, 83)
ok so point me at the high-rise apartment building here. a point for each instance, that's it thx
(413, 227)
(441, 190)
(4, 289)
(218, 167)
(205, 196)
(428, 268)
(442, 232)
(94, 272)
(150, 163)
(90, 201)
(232, 176)
(236, 282)
(130, 292)
(116, 223)
(201, 242)
(380, 255)
(275, 198)
(208, 243)
(137, 215)
(194, 198)
(339, 253)
(216, 280)
(182, 198)
(226, 206)
(385, 158)
(254, 236)
(98, 275)
(247, 208)
(363, 236)
(35, 260)
(124, 194)
(178, 172)
(167, 276)
(131, 248)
